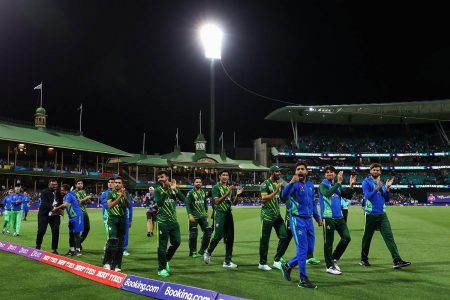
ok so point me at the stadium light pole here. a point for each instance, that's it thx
(211, 37)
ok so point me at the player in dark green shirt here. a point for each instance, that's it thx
(83, 199)
(197, 209)
(223, 218)
(118, 203)
(271, 217)
(168, 228)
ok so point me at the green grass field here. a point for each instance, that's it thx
(422, 235)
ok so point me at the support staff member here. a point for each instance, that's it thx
(50, 198)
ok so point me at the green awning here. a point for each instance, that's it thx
(28, 134)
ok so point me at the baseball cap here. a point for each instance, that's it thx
(275, 169)
(151, 188)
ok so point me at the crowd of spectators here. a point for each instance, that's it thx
(336, 144)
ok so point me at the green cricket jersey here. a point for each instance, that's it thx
(218, 191)
(81, 194)
(167, 204)
(120, 209)
(196, 203)
(270, 210)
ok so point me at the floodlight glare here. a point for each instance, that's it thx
(211, 37)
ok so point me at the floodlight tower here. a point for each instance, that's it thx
(211, 37)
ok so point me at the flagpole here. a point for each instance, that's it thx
(41, 93)
(143, 144)
(234, 139)
(81, 114)
(177, 137)
(200, 119)
(222, 141)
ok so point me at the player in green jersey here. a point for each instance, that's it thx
(271, 218)
(83, 199)
(197, 209)
(118, 203)
(168, 228)
(223, 218)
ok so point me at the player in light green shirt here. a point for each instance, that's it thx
(223, 219)
(197, 209)
(168, 228)
(118, 203)
(271, 218)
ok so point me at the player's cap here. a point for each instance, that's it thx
(274, 169)
(151, 188)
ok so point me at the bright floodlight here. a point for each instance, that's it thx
(211, 37)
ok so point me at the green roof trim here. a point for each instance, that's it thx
(145, 160)
(20, 133)
(249, 165)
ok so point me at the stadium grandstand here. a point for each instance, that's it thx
(141, 169)
(31, 154)
(407, 138)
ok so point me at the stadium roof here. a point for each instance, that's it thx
(144, 160)
(27, 134)
(191, 159)
(366, 114)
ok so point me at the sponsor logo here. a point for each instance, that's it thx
(181, 293)
(141, 286)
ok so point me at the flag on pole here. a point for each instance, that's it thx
(221, 137)
(80, 108)
(38, 87)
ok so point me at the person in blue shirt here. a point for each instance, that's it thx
(376, 193)
(17, 200)
(302, 207)
(330, 194)
(26, 208)
(76, 223)
(7, 214)
(129, 220)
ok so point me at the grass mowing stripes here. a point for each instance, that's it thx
(422, 235)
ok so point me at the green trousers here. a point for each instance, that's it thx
(329, 227)
(223, 228)
(193, 233)
(266, 229)
(15, 220)
(167, 232)
(381, 222)
(6, 221)
(114, 245)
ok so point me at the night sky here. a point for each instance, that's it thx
(139, 66)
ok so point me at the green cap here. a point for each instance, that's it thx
(275, 169)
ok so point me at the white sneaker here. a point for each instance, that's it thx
(263, 267)
(335, 265)
(206, 257)
(118, 270)
(125, 253)
(334, 271)
(107, 267)
(277, 265)
(231, 265)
